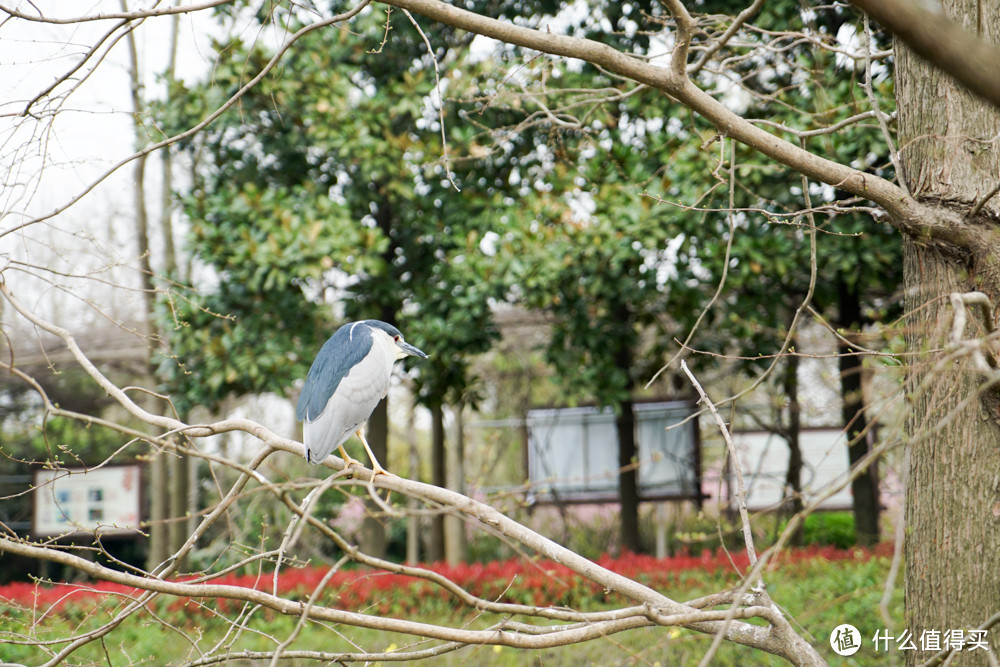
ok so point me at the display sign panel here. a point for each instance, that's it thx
(573, 452)
(73, 500)
(764, 459)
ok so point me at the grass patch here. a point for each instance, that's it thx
(817, 589)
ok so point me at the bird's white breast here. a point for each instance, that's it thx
(356, 396)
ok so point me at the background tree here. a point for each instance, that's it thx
(628, 148)
(767, 242)
(597, 275)
(322, 183)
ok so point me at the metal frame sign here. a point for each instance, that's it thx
(764, 459)
(106, 500)
(573, 452)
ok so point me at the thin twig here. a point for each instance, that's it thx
(982, 202)
(731, 221)
(897, 549)
(659, 606)
(866, 84)
(720, 43)
(437, 85)
(205, 122)
(104, 16)
(741, 492)
(310, 603)
(983, 362)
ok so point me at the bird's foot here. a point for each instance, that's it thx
(379, 470)
(376, 466)
(348, 460)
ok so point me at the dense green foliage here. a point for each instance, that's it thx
(327, 183)
(833, 528)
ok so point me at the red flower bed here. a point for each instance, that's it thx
(373, 591)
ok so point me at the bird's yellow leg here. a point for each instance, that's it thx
(347, 458)
(376, 467)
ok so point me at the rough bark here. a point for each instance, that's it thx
(952, 527)
(950, 159)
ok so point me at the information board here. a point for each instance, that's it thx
(73, 500)
(764, 459)
(573, 452)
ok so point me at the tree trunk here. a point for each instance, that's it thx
(628, 479)
(949, 158)
(864, 488)
(167, 164)
(435, 544)
(158, 502)
(628, 475)
(455, 545)
(178, 467)
(952, 531)
(412, 504)
(793, 477)
(184, 470)
(159, 506)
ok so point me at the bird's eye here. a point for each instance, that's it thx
(396, 338)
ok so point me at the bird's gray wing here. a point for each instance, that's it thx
(342, 351)
(350, 406)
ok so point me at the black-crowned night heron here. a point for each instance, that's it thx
(346, 381)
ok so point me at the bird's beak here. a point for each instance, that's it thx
(411, 350)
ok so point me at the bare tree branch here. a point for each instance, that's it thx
(909, 215)
(879, 115)
(986, 361)
(653, 608)
(105, 16)
(738, 22)
(925, 222)
(322, 613)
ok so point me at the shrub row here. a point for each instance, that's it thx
(532, 582)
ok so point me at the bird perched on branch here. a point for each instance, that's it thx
(346, 381)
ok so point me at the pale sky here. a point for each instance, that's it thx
(73, 136)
